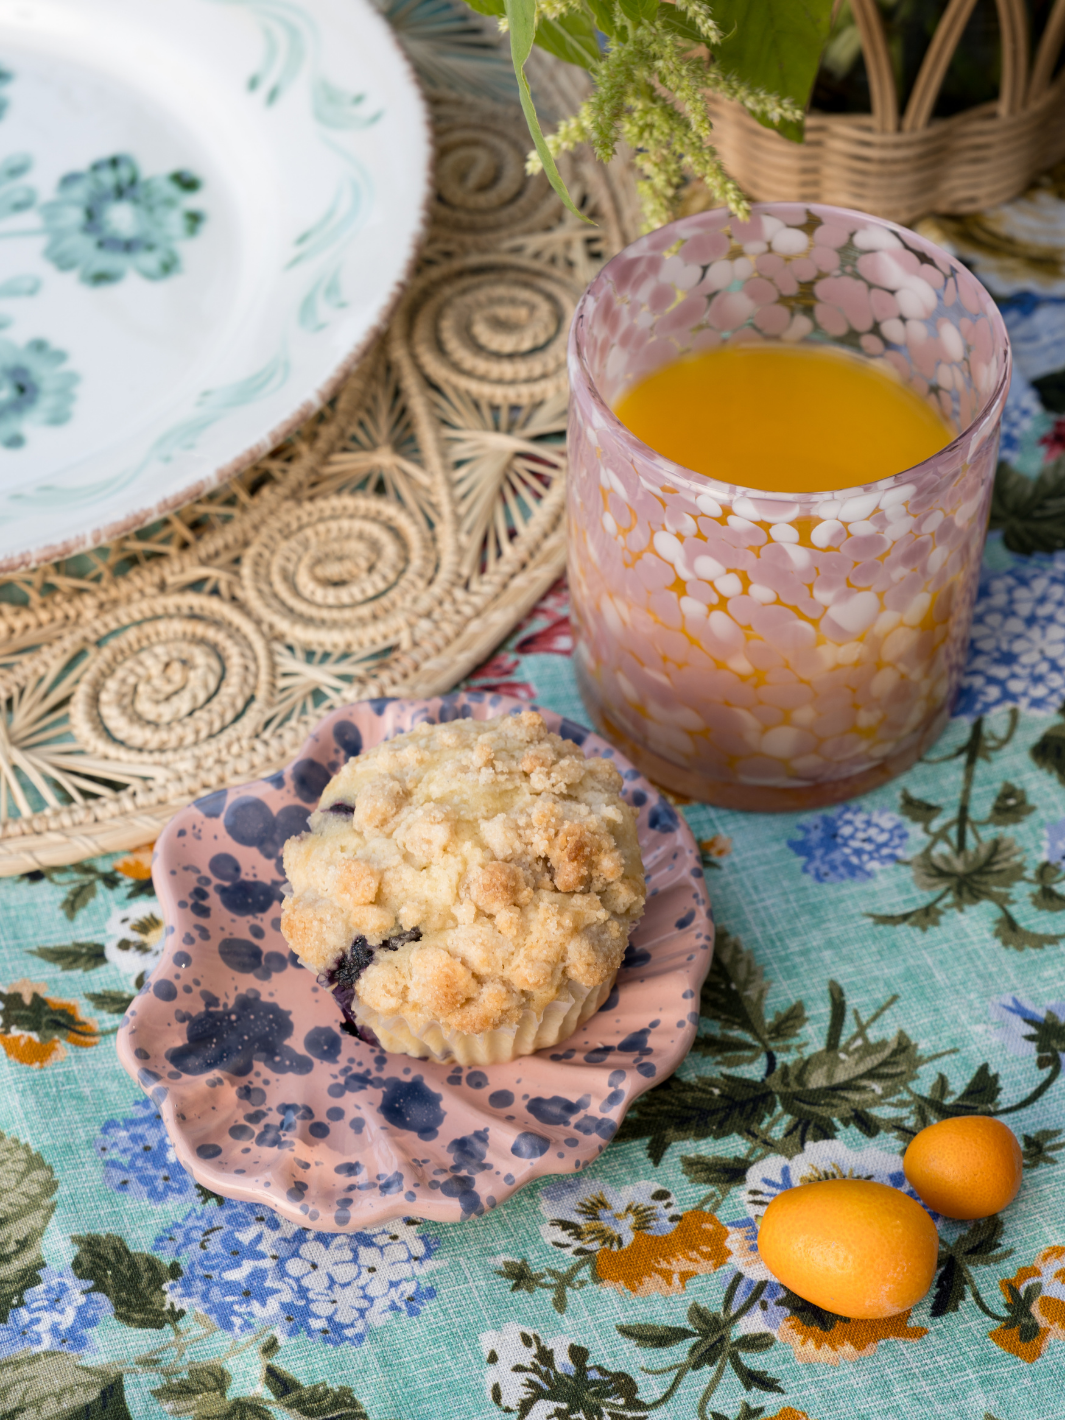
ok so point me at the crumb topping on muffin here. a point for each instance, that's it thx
(463, 873)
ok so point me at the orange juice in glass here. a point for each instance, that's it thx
(783, 436)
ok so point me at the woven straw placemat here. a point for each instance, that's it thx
(384, 550)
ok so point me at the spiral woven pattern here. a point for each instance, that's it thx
(483, 190)
(343, 572)
(174, 683)
(384, 550)
(497, 329)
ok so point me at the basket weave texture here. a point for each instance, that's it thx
(384, 550)
(902, 165)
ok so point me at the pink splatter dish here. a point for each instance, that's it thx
(268, 1100)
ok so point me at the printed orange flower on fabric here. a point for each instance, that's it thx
(640, 1240)
(36, 1028)
(137, 864)
(1035, 1298)
(831, 1340)
(663, 1264)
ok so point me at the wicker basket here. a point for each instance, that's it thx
(901, 166)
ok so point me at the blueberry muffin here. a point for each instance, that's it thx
(467, 890)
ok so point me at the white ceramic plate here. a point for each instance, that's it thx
(207, 208)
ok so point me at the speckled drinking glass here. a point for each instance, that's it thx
(778, 650)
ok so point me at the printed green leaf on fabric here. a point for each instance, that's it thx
(27, 1194)
(112, 1003)
(1048, 752)
(74, 956)
(199, 1393)
(1030, 512)
(315, 1402)
(132, 1282)
(51, 1385)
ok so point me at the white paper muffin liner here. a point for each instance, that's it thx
(431, 1040)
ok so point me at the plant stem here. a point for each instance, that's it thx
(674, 1385)
(971, 1281)
(712, 1385)
(1037, 1093)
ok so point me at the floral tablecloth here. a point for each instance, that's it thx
(879, 966)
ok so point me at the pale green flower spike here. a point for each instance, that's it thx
(650, 92)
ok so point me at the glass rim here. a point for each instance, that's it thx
(990, 410)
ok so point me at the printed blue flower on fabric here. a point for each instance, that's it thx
(1022, 406)
(109, 220)
(849, 845)
(1017, 653)
(57, 1315)
(1055, 843)
(33, 388)
(245, 1267)
(139, 1159)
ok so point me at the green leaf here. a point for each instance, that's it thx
(38, 1016)
(571, 37)
(110, 1404)
(707, 1108)
(79, 896)
(603, 15)
(112, 1003)
(637, 11)
(50, 1385)
(651, 1337)
(984, 873)
(731, 1048)
(950, 1288)
(787, 1023)
(917, 810)
(1048, 752)
(776, 47)
(315, 1402)
(925, 917)
(1037, 1149)
(722, 1171)
(1048, 1037)
(978, 1246)
(837, 1016)
(735, 990)
(1011, 806)
(1046, 897)
(27, 1190)
(844, 1087)
(751, 1379)
(132, 1282)
(521, 16)
(75, 956)
(495, 8)
(520, 1276)
(198, 1393)
(1030, 512)
(980, 1096)
(1011, 934)
(1052, 391)
(270, 1347)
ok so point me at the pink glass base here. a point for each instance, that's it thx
(689, 783)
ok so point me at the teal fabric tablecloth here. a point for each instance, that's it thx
(878, 966)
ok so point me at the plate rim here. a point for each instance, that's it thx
(434, 1208)
(37, 556)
